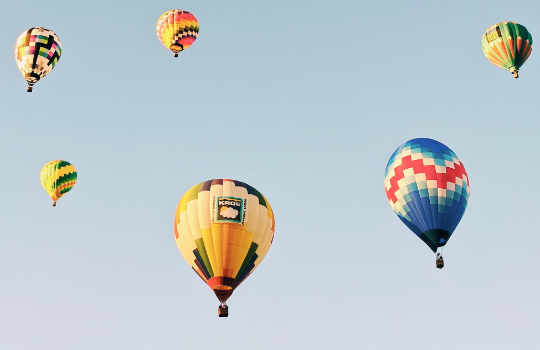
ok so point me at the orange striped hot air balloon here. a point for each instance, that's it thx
(507, 45)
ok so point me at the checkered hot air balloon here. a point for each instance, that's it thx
(37, 51)
(223, 228)
(507, 45)
(428, 188)
(58, 178)
(177, 30)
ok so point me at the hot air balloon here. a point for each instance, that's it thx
(177, 30)
(57, 178)
(507, 45)
(223, 228)
(428, 188)
(37, 51)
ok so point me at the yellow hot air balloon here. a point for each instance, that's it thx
(223, 228)
(57, 178)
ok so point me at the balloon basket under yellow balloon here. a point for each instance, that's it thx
(54, 204)
(223, 311)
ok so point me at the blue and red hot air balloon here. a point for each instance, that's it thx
(428, 188)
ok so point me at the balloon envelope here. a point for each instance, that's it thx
(177, 30)
(507, 45)
(223, 228)
(428, 188)
(37, 50)
(58, 178)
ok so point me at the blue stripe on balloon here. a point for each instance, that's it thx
(417, 219)
(427, 212)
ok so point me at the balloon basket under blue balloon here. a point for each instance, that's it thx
(439, 263)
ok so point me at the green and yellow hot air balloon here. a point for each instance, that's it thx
(58, 178)
(507, 45)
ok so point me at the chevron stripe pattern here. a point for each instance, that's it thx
(58, 178)
(37, 51)
(428, 188)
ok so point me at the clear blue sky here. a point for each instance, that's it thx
(319, 94)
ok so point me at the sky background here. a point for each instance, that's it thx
(305, 101)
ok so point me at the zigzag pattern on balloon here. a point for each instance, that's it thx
(57, 178)
(428, 188)
(177, 30)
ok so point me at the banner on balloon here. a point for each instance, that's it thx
(493, 33)
(229, 209)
